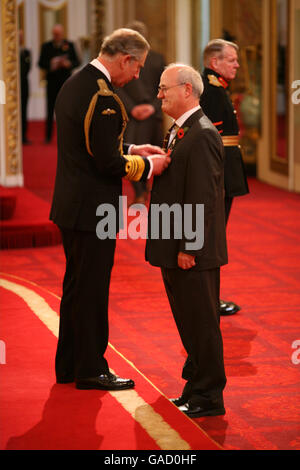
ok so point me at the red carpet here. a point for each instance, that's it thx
(37, 414)
(262, 395)
(29, 225)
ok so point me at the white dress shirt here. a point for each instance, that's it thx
(181, 120)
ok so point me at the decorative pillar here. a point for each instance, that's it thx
(98, 20)
(10, 123)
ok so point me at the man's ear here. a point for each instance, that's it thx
(213, 63)
(124, 60)
(188, 89)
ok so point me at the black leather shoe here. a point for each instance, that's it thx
(196, 411)
(228, 308)
(107, 381)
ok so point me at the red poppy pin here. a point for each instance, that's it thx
(181, 132)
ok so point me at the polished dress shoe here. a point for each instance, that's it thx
(107, 381)
(228, 308)
(197, 411)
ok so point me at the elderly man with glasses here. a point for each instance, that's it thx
(191, 271)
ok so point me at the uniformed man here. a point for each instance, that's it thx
(92, 159)
(221, 65)
(58, 58)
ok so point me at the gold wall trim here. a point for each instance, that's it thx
(277, 164)
(60, 15)
(10, 67)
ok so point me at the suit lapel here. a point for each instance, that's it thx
(184, 129)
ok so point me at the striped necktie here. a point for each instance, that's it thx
(173, 129)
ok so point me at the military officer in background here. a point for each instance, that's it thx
(25, 65)
(58, 58)
(221, 65)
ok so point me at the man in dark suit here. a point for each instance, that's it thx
(57, 58)
(190, 268)
(143, 107)
(25, 65)
(92, 160)
(221, 65)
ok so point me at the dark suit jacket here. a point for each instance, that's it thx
(25, 63)
(49, 51)
(194, 176)
(145, 88)
(84, 181)
(144, 91)
(217, 105)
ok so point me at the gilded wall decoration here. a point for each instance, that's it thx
(98, 13)
(10, 67)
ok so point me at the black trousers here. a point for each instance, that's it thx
(53, 87)
(24, 102)
(194, 300)
(228, 203)
(149, 131)
(83, 330)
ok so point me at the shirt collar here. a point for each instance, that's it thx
(181, 120)
(96, 63)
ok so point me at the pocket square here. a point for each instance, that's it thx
(108, 111)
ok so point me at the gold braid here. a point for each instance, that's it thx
(103, 91)
(135, 165)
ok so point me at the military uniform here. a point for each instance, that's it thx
(56, 76)
(92, 160)
(216, 104)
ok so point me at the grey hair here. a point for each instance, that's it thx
(138, 26)
(124, 41)
(215, 48)
(187, 74)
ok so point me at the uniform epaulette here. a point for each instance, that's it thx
(217, 81)
(103, 91)
(213, 80)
